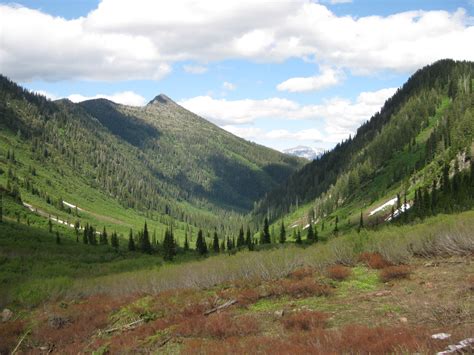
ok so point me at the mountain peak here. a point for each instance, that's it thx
(161, 99)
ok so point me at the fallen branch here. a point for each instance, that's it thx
(126, 326)
(225, 305)
(21, 340)
(164, 341)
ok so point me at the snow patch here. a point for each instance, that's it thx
(391, 202)
(398, 211)
(70, 205)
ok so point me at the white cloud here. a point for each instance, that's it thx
(334, 2)
(142, 39)
(341, 117)
(195, 69)
(228, 86)
(126, 98)
(328, 77)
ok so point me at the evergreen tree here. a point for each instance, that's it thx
(186, 242)
(50, 226)
(58, 239)
(114, 241)
(266, 238)
(104, 238)
(310, 234)
(282, 233)
(77, 225)
(1, 206)
(85, 235)
(336, 229)
(241, 238)
(298, 237)
(169, 245)
(131, 241)
(248, 239)
(145, 245)
(215, 243)
(92, 236)
(361, 222)
(223, 245)
(201, 246)
(316, 234)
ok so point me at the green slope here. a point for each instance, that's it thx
(427, 125)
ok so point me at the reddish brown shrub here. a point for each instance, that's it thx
(374, 260)
(301, 273)
(339, 272)
(395, 272)
(305, 320)
(301, 288)
(220, 325)
(10, 332)
(247, 296)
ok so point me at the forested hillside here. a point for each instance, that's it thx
(419, 142)
(158, 160)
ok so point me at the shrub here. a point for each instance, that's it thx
(374, 260)
(395, 272)
(220, 325)
(301, 288)
(339, 272)
(247, 296)
(10, 332)
(301, 273)
(305, 320)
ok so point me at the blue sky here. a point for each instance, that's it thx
(281, 73)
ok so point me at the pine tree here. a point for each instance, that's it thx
(58, 239)
(186, 242)
(201, 246)
(248, 239)
(145, 245)
(50, 226)
(241, 238)
(104, 238)
(310, 234)
(316, 234)
(361, 222)
(282, 233)
(131, 241)
(169, 245)
(215, 243)
(92, 236)
(298, 237)
(114, 241)
(392, 213)
(222, 246)
(77, 225)
(266, 238)
(336, 229)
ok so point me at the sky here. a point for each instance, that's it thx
(281, 73)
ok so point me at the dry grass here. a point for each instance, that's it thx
(305, 320)
(374, 260)
(339, 272)
(301, 273)
(220, 326)
(395, 272)
(10, 333)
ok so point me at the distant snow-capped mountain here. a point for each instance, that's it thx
(304, 152)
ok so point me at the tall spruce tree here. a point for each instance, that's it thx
(266, 238)
(169, 245)
(361, 222)
(310, 234)
(104, 237)
(215, 242)
(336, 229)
(248, 239)
(201, 246)
(241, 238)
(145, 245)
(114, 241)
(131, 241)
(186, 241)
(298, 237)
(58, 239)
(282, 233)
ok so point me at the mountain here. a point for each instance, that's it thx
(421, 138)
(159, 160)
(305, 152)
